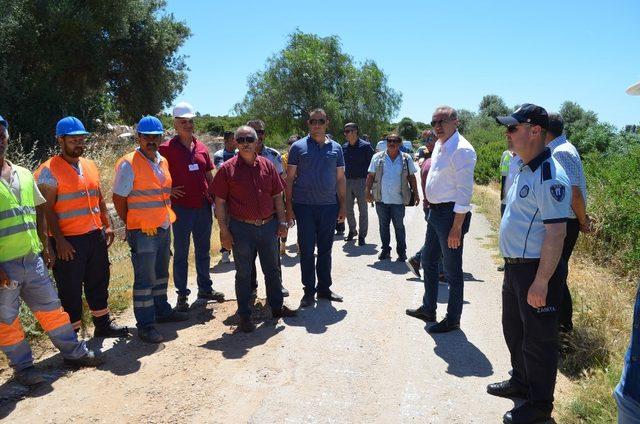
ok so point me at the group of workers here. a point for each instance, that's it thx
(57, 218)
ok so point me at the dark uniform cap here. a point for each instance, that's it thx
(526, 114)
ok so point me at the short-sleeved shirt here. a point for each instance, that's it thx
(391, 189)
(316, 172)
(566, 153)
(274, 157)
(14, 186)
(221, 156)
(248, 189)
(188, 168)
(540, 194)
(357, 159)
(123, 181)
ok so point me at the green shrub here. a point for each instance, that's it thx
(489, 141)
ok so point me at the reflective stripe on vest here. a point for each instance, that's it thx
(18, 235)
(149, 202)
(78, 197)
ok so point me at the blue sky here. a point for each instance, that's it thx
(433, 52)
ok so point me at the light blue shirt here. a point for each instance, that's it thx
(391, 189)
(540, 194)
(566, 153)
(274, 156)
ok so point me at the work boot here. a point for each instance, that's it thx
(246, 325)
(29, 376)
(150, 335)
(108, 328)
(212, 295)
(182, 305)
(91, 359)
(174, 316)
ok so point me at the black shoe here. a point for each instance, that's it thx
(285, 292)
(443, 326)
(150, 335)
(351, 235)
(182, 305)
(385, 254)
(29, 376)
(420, 313)
(361, 241)
(414, 266)
(507, 389)
(307, 300)
(526, 414)
(246, 325)
(91, 359)
(401, 258)
(110, 329)
(213, 295)
(334, 297)
(174, 316)
(285, 312)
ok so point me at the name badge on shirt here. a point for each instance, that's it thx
(193, 167)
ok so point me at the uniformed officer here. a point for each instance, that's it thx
(532, 232)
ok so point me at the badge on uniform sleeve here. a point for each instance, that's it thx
(558, 192)
(524, 191)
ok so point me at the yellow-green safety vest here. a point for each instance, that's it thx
(504, 163)
(18, 233)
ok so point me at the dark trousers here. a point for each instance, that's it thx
(248, 241)
(388, 213)
(439, 224)
(316, 224)
(254, 271)
(532, 333)
(89, 269)
(565, 318)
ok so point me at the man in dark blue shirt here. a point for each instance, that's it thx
(357, 156)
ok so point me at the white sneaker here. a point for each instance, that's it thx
(225, 257)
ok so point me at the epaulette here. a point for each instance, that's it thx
(546, 171)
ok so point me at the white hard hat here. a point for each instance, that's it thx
(183, 110)
(634, 90)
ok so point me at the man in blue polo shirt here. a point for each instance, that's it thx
(532, 234)
(315, 193)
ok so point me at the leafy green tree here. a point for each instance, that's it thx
(492, 105)
(576, 119)
(464, 119)
(407, 129)
(87, 58)
(310, 72)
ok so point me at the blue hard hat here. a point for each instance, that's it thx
(3, 122)
(150, 125)
(70, 126)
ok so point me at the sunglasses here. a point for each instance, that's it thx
(513, 128)
(440, 122)
(317, 121)
(245, 140)
(394, 140)
(349, 131)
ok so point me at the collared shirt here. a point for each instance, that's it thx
(274, 157)
(540, 195)
(221, 156)
(13, 184)
(123, 181)
(316, 177)
(248, 189)
(566, 153)
(188, 168)
(391, 188)
(357, 158)
(450, 178)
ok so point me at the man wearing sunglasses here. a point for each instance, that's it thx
(532, 233)
(316, 191)
(248, 191)
(191, 171)
(448, 190)
(357, 156)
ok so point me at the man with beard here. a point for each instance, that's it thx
(141, 196)
(79, 229)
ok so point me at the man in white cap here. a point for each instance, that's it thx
(190, 166)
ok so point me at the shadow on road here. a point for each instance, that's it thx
(318, 318)
(221, 268)
(289, 261)
(236, 345)
(353, 250)
(464, 359)
(397, 268)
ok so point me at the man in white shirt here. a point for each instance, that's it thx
(448, 190)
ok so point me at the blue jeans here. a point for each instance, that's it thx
(418, 255)
(316, 224)
(150, 258)
(388, 213)
(196, 221)
(627, 393)
(628, 408)
(439, 224)
(249, 240)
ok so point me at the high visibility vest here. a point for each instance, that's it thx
(18, 234)
(149, 203)
(504, 163)
(78, 201)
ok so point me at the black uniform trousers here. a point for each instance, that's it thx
(565, 319)
(532, 333)
(90, 265)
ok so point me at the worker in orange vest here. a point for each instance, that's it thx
(141, 196)
(79, 229)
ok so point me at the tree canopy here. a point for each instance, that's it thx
(114, 58)
(311, 72)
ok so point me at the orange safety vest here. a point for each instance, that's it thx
(78, 199)
(149, 201)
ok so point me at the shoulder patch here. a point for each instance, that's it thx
(546, 171)
(558, 192)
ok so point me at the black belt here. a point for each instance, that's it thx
(441, 205)
(512, 261)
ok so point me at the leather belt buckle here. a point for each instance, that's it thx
(258, 222)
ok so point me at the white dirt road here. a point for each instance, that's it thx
(363, 360)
